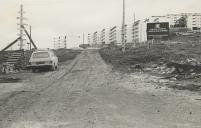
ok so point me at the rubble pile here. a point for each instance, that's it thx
(189, 69)
(171, 60)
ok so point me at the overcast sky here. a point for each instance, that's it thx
(53, 18)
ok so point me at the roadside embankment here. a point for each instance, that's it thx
(175, 61)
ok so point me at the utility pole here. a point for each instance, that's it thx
(59, 46)
(65, 42)
(30, 36)
(21, 23)
(134, 31)
(123, 29)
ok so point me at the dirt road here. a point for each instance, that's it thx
(86, 93)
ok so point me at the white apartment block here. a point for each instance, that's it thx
(59, 43)
(136, 31)
(139, 31)
(89, 38)
(128, 33)
(96, 38)
(115, 36)
(193, 19)
(104, 36)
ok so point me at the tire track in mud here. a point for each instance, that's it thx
(73, 90)
(85, 80)
(60, 79)
(92, 117)
(23, 99)
(84, 88)
(13, 94)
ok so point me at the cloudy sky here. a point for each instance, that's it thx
(53, 18)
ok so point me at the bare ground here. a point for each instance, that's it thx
(86, 93)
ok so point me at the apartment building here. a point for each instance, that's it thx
(139, 31)
(104, 36)
(95, 38)
(59, 42)
(89, 38)
(128, 33)
(194, 21)
(115, 35)
(136, 31)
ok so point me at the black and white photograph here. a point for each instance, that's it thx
(100, 64)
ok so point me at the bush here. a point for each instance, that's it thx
(66, 54)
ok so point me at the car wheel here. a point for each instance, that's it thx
(56, 67)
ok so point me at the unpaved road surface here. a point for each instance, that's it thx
(86, 93)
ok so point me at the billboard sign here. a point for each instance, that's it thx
(158, 30)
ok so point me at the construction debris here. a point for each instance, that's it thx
(176, 61)
(7, 68)
(13, 61)
(178, 71)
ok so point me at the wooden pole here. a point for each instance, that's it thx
(123, 29)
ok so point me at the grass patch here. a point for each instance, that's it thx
(159, 53)
(66, 54)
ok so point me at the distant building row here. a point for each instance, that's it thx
(136, 32)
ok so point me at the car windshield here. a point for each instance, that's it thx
(41, 55)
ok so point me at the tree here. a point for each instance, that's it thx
(84, 46)
(181, 22)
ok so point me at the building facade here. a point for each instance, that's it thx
(89, 38)
(136, 31)
(115, 35)
(59, 42)
(95, 38)
(193, 19)
(139, 33)
(128, 33)
(104, 36)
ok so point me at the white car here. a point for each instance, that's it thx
(41, 59)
